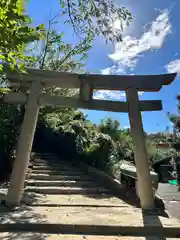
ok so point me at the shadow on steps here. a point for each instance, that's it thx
(101, 230)
(74, 205)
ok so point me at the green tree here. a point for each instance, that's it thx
(121, 137)
(96, 17)
(175, 119)
(15, 33)
(88, 18)
(9, 132)
(110, 127)
(124, 144)
(53, 53)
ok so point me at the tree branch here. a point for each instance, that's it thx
(70, 17)
(46, 46)
(47, 41)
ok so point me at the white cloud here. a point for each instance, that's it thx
(173, 66)
(113, 70)
(126, 127)
(109, 95)
(106, 71)
(127, 52)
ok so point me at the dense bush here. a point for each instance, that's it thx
(78, 139)
(9, 131)
(102, 153)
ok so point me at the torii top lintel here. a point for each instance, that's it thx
(96, 81)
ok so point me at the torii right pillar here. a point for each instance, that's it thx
(144, 182)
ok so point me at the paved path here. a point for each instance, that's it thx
(64, 203)
(171, 197)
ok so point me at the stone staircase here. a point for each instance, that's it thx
(49, 175)
(63, 203)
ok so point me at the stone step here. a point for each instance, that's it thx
(50, 161)
(45, 183)
(52, 164)
(66, 190)
(45, 158)
(50, 167)
(47, 170)
(50, 156)
(57, 172)
(58, 177)
(74, 200)
(40, 236)
(41, 155)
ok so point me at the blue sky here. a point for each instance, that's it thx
(150, 45)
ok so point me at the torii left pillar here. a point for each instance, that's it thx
(16, 188)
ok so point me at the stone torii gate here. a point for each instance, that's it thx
(35, 80)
